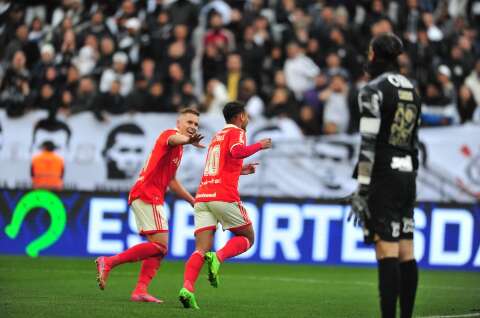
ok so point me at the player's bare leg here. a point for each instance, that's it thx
(148, 270)
(387, 254)
(133, 254)
(239, 244)
(409, 278)
(203, 243)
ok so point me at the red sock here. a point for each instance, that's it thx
(137, 253)
(192, 269)
(235, 246)
(147, 272)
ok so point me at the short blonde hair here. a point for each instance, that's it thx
(189, 110)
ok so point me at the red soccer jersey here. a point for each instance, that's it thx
(158, 171)
(222, 170)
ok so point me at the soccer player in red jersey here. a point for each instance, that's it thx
(146, 199)
(218, 201)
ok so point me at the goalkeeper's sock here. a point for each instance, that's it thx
(408, 287)
(138, 252)
(388, 284)
(147, 272)
(235, 246)
(192, 269)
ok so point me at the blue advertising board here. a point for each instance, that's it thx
(89, 224)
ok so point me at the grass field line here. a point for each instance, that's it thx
(286, 279)
(453, 316)
(339, 282)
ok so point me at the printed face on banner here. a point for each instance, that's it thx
(334, 157)
(55, 131)
(124, 151)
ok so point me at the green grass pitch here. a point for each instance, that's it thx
(59, 287)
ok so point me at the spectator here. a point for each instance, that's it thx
(72, 79)
(117, 72)
(299, 70)
(309, 121)
(433, 31)
(176, 78)
(66, 101)
(105, 60)
(97, 26)
(473, 82)
(233, 75)
(215, 98)
(68, 49)
(345, 52)
(422, 53)
(262, 36)
(252, 55)
(21, 43)
(156, 100)
(248, 95)
(281, 105)
(188, 98)
(466, 104)
(147, 70)
(15, 95)
(177, 54)
(85, 61)
(137, 99)
(59, 32)
(48, 100)
(47, 60)
(439, 100)
(69, 8)
(213, 63)
(459, 65)
(112, 101)
(336, 114)
(37, 30)
(130, 40)
(217, 35)
(159, 36)
(312, 96)
(85, 96)
(184, 12)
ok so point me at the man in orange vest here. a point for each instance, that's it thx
(47, 168)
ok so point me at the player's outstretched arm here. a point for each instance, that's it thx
(179, 139)
(240, 151)
(178, 188)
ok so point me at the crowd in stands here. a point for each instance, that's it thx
(300, 59)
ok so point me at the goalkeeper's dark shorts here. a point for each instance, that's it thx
(391, 202)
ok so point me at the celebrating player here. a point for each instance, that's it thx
(146, 199)
(218, 201)
(386, 173)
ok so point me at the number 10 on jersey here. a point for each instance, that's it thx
(213, 161)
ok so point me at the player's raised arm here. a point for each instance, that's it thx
(240, 151)
(179, 139)
(178, 188)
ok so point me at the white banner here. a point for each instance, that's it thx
(108, 156)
